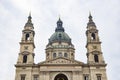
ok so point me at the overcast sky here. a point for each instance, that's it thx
(45, 13)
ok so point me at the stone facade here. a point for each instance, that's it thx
(60, 63)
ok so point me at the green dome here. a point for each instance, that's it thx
(60, 37)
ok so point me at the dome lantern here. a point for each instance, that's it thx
(59, 26)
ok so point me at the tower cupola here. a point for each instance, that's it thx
(90, 23)
(29, 24)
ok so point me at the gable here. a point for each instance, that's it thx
(61, 61)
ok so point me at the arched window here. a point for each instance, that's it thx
(27, 36)
(24, 58)
(93, 36)
(65, 55)
(54, 55)
(96, 58)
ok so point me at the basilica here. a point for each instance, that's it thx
(60, 63)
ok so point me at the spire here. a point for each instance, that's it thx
(90, 17)
(59, 26)
(29, 18)
(59, 22)
(29, 21)
(91, 23)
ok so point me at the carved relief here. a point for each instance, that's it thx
(61, 61)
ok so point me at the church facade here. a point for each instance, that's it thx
(60, 63)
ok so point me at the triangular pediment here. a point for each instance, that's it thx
(61, 60)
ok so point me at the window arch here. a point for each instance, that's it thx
(60, 77)
(96, 58)
(27, 36)
(65, 55)
(54, 55)
(24, 58)
(93, 36)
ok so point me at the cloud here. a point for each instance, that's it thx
(45, 13)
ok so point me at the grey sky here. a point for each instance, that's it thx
(45, 13)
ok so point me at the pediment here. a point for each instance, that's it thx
(61, 61)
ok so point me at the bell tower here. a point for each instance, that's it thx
(94, 53)
(26, 55)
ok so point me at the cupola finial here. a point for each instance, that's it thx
(29, 18)
(90, 17)
(91, 23)
(59, 26)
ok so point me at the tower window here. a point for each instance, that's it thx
(22, 77)
(96, 58)
(98, 77)
(54, 55)
(93, 36)
(35, 77)
(86, 77)
(24, 58)
(27, 36)
(71, 54)
(65, 55)
(47, 54)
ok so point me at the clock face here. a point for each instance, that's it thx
(25, 47)
(94, 47)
